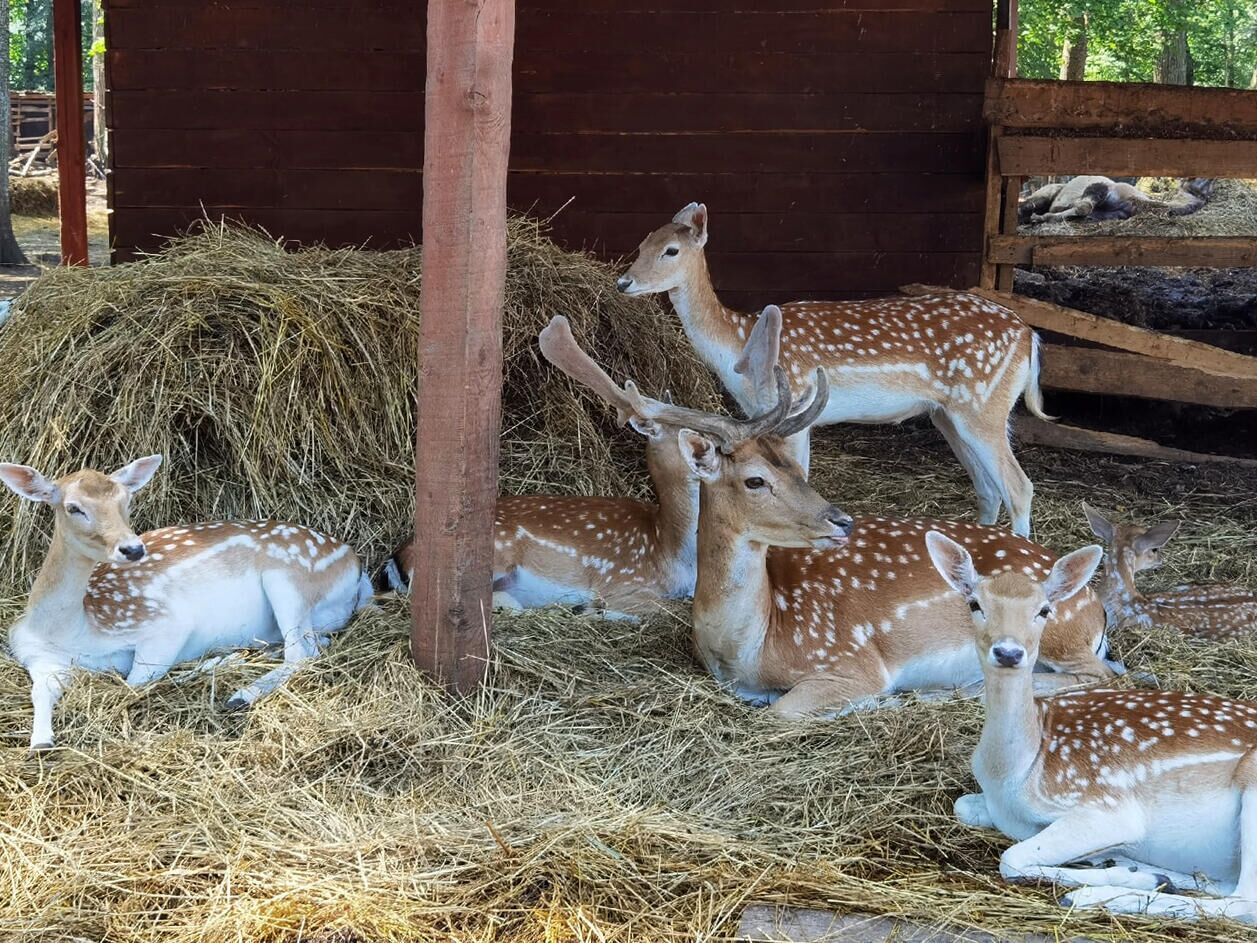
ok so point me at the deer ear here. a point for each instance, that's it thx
(29, 483)
(760, 355)
(694, 215)
(953, 562)
(1071, 573)
(700, 454)
(135, 476)
(645, 427)
(1156, 536)
(1100, 526)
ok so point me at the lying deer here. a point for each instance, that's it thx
(1101, 198)
(962, 360)
(798, 605)
(1166, 782)
(107, 600)
(1214, 611)
(618, 555)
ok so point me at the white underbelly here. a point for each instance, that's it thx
(1197, 832)
(222, 621)
(534, 592)
(942, 668)
(863, 401)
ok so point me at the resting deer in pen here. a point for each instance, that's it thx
(108, 600)
(800, 606)
(1213, 611)
(618, 555)
(962, 360)
(1101, 198)
(1123, 794)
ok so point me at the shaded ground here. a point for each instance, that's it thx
(40, 239)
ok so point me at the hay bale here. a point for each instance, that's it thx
(281, 383)
(1231, 211)
(33, 196)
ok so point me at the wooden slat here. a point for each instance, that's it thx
(764, 6)
(794, 276)
(266, 110)
(250, 150)
(1202, 251)
(291, 189)
(1047, 316)
(1055, 435)
(1088, 370)
(1025, 156)
(151, 227)
(250, 69)
(1211, 112)
(348, 26)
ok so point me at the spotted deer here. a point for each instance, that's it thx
(618, 555)
(960, 359)
(1128, 796)
(799, 606)
(106, 599)
(1212, 611)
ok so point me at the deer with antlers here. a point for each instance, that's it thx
(798, 605)
(960, 359)
(619, 556)
(1126, 795)
(106, 599)
(1212, 611)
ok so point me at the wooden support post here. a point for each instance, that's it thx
(71, 154)
(1004, 66)
(466, 144)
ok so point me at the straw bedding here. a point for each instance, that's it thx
(599, 787)
(33, 196)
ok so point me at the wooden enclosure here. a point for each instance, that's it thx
(839, 145)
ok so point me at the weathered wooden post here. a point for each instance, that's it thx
(466, 144)
(67, 56)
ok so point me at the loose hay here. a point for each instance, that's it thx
(33, 196)
(281, 383)
(600, 787)
(1231, 211)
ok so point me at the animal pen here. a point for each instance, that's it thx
(597, 785)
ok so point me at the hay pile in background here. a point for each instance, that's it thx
(600, 787)
(281, 384)
(33, 196)
(1230, 211)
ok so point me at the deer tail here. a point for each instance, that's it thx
(1033, 394)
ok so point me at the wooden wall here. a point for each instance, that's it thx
(837, 143)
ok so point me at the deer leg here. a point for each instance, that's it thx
(296, 627)
(1083, 833)
(971, 810)
(987, 489)
(829, 694)
(47, 684)
(991, 448)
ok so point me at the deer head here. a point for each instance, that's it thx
(92, 509)
(1129, 548)
(667, 256)
(1010, 609)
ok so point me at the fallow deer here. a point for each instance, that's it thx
(799, 606)
(1101, 198)
(108, 600)
(618, 555)
(1121, 793)
(961, 359)
(1212, 611)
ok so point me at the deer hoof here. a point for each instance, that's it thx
(235, 703)
(41, 747)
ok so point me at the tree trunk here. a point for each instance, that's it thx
(100, 132)
(1074, 51)
(10, 251)
(30, 45)
(1174, 64)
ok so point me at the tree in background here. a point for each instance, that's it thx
(100, 131)
(10, 251)
(1074, 53)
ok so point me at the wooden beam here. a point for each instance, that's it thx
(1055, 435)
(1191, 251)
(1210, 112)
(1003, 65)
(71, 152)
(1116, 373)
(466, 144)
(1138, 340)
(1141, 157)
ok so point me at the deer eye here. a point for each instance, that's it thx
(754, 483)
(1045, 612)
(75, 509)
(974, 606)
(671, 251)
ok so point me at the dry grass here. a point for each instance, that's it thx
(600, 786)
(1231, 211)
(33, 196)
(281, 384)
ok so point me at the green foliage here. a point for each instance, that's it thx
(30, 44)
(1125, 38)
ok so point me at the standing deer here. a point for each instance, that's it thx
(962, 360)
(799, 606)
(108, 600)
(617, 554)
(1214, 611)
(1165, 782)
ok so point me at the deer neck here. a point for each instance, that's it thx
(1012, 735)
(717, 333)
(1123, 603)
(56, 600)
(676, 525)
(731, 596)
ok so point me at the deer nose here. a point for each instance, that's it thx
(1009, 656)
(841, 520)
(132, 552)
(624, 282)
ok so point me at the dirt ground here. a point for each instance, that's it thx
(40, 239)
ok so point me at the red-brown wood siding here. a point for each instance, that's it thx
(837, 143)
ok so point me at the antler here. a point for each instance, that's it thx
(560, 348)
(728, 432)
(810, 413)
